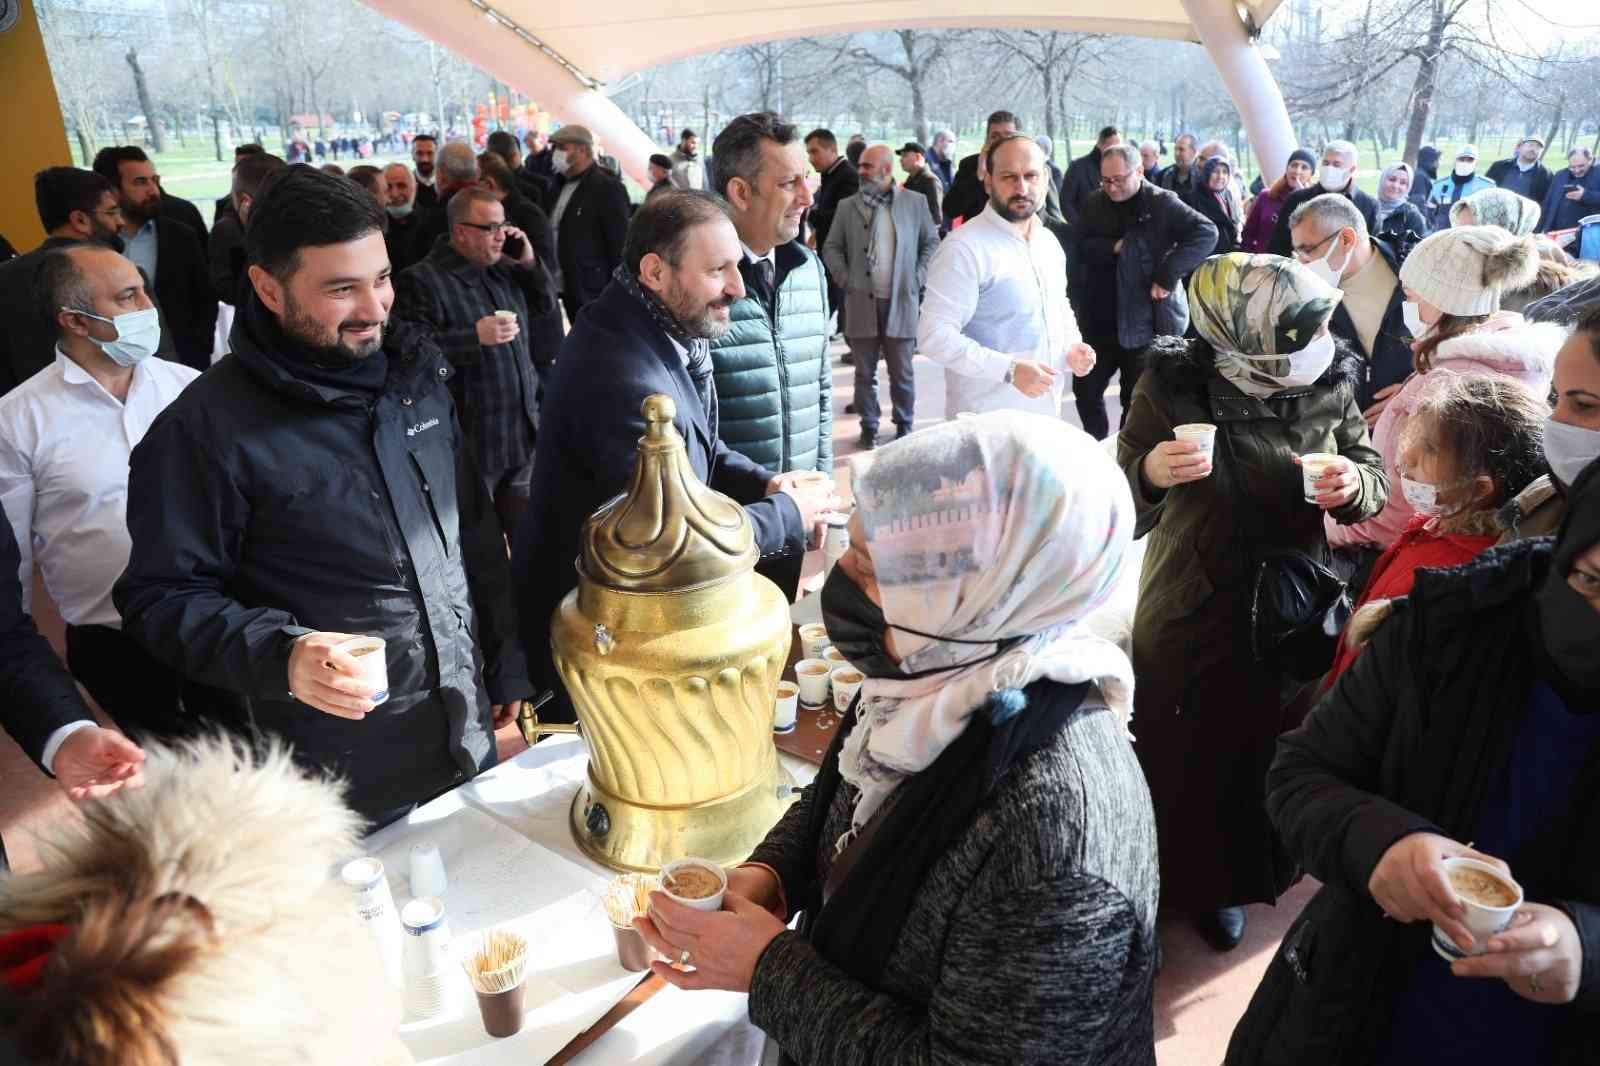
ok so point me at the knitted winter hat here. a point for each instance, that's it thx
(1303, 155)
(1463, 271)
(1499, 207)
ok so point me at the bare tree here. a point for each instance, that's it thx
(919, 52)
(158, 130)
(1055, 58)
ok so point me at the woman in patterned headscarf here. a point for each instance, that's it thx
(976, 859)
(1266, 372)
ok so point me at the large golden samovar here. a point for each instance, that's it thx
(671, 648)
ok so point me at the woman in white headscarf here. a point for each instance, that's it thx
(975, 861)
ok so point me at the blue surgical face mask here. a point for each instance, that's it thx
(138, 335)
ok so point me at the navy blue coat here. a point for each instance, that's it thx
(1560, 213)
(614, 358)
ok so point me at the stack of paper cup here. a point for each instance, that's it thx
(375, 906)
(1201, 433)
(427, 957)
(427, 871)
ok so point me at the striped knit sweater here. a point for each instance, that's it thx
(1032, 941)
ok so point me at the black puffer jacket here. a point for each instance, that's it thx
(1409, 740)
(263, 506)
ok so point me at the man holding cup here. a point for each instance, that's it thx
(313, 487)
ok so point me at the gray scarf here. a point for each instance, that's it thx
(873, 200)
(699, 362)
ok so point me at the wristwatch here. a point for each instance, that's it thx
(1011, 373)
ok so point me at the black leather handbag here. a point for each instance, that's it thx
(1298, 610)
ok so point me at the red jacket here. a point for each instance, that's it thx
(1417, 547)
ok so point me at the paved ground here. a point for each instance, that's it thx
(1199, 996)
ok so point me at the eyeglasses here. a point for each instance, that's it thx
(1120, 180)
(1307, 251)
(491, 228)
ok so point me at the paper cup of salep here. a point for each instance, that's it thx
(834, 657)
(846, 682)
(505, 314)
(1201, 433)
(370, 655)
(812, 677)
(787, 704)
(697, 883)
(1312, 467)
(813, 640)
(1490, 900)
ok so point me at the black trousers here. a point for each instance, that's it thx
(510, 491)
(1089, 391)
(142, 695)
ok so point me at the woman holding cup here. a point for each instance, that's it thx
(1274, 384)
(1473, 716)
(975, 862)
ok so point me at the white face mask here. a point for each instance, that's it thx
(1569, 450)
(1423, 497)
(1305, 366)
(1324, 268)
(400, 210)
(1412, 313)
(1464, 169)
(1333, 178)
(560, 162)
(138, 335)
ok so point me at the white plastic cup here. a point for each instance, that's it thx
(427, 957)
(1201, 433)
(847, 681)
(813, 640)
(375, 906)
(811, 675)
(1484, 921)
(427, 871)
(371, 655)
(1312, 467)
(704, 903)
(788, 703)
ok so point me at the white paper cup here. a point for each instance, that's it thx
(505, 314)
(847, 681)
(1312, 467)
(1201, 433)
(812, 677)
(834, 658)
(427, 871)
(370, 654)
(788, 703)
(1483, 920)
(704, 903)
(813, 640)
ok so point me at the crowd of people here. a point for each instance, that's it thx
(1368, 619)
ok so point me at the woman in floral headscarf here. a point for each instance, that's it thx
(976, 859)
(1272, 379)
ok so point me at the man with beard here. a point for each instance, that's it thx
(687, 170)
(967, 196)
(400, 204)
(995, 314)
(315, 486)
(74, 205)
(226, 254)
(646, 334)
(423, 148)
(168, 252)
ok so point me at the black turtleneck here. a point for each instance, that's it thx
(318, 367)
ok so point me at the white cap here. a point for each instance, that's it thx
(1468, 151)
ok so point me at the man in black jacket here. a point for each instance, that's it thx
(456, 168)
(1083, 174)
(1523, 173)
(169, 253)
(966, 197)
(458, 294)
(1337, 174)
(590, 217)
(839, 182)
(227, 254)
(646, 335)
(1180, 176)
(400, 204)
(180, 210)
(544, 329)
(74, 205)
(921, 179)
(1329, 230)
(314, 486)
(423, 149)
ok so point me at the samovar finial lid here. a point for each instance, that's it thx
(669, 531)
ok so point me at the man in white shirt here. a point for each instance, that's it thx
(65, 438)
(995, 314)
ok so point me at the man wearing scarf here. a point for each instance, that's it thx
(648, 333)
(315, 486)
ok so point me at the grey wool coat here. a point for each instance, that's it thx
(1031, 942)
(916, 238)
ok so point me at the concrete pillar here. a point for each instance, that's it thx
(525, 68)
(1244, 72)
(35, 135)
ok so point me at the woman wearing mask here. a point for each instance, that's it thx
(1452, 283)
(1268, 373)
(1266, 207)
(976, 859)
(1400, 222)
(1213, 197)
(1571, 437)
(1474, 715)
(1475, 442)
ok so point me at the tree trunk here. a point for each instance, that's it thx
(1555, 123)
(1422, 89)
(158, 132)
(216, 132)
(1047, 80)
(85, 143)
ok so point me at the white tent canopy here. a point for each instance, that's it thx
(561, 52)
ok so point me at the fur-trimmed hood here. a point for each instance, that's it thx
(206, 925)
(1186, 361)
(1508, 345)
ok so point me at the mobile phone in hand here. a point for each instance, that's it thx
(513, 248)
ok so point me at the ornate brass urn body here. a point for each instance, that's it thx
(671, 648)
